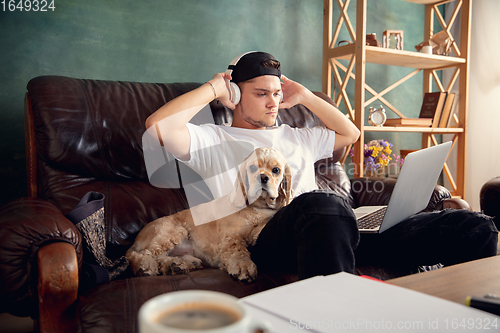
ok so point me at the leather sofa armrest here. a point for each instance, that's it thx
(453, 203)
(57, 287)
(441, 199)
(26, 226)
(374, 191)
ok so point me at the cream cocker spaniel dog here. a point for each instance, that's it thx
(175, 245)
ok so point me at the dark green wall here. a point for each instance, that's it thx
(166, 41)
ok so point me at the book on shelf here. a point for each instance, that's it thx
(432, 106)
(448, 108)
(410, 122)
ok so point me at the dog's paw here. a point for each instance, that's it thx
(143, 264)
(242, 269)
(192, 261)
(142, 272)
(146, 270)
(185, 264)
(179, 265)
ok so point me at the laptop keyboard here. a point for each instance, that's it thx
(372, 220)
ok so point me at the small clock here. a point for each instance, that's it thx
(377, 117)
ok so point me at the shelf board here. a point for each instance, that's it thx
(413, 129)
(383, 56)
(429, 2)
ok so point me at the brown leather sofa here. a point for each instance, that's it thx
(85, 135)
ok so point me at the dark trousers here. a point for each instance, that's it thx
(316, 234)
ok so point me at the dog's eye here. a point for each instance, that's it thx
(253, 168)
(276, 170)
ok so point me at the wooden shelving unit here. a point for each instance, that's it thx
(359, 56)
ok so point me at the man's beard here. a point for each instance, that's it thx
(257, 123)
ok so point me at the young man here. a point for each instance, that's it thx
(316, 234)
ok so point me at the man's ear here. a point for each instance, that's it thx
(285, 190)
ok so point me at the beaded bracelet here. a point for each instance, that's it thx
(213, 88)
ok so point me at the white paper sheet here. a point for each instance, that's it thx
(347, 303)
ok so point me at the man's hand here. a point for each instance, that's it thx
(293, 93)
(220, 82)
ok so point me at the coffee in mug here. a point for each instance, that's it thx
(198, 316)
(191, 311)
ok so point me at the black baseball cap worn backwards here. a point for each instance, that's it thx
(251, 66)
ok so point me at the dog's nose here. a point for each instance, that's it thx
(264, 179)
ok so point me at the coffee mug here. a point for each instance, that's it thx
(191, 311)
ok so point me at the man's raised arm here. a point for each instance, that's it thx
(346, 132)
(173, 116)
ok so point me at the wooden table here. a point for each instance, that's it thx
(455, 283)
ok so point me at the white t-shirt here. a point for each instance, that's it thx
(216, 152)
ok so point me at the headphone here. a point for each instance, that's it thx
(234, 90)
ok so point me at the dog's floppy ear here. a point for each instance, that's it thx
(285, 190)
(238, 196)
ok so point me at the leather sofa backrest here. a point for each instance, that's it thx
(86, 135)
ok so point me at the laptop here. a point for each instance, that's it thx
(412, 192)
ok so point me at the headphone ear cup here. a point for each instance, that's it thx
(234, 93)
